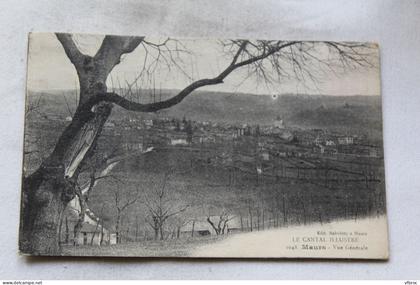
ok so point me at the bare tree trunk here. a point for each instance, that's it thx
(97, 226)
(78, 226)
(94, 233)
(156, 231)
(258, 220)
(161, 232)
(137, 228)
(263, 219)
(284, 210)
(117, 228)
(216, 229)
(304, 210)
(41, 214)
(67, 232)
(102, 235)
(250, 217)
(47, 191)
(320, 216)
(60, 230)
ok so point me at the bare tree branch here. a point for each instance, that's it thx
(222, 222)
(72, 51)
(253, 55)
(161, 209)
(112, 48)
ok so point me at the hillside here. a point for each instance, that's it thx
(207, 189)
(305, 111)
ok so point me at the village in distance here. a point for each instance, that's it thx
(175, 180)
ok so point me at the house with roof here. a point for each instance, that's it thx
(278, 123)
(93, 232)
(345, 140)
(196, 228)
(95, 235)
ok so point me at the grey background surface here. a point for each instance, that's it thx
(395, 25)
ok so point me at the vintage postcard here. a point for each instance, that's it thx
(164, 147)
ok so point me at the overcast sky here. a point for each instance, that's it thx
(49, 68)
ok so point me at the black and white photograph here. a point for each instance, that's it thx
(170, 147)
(190, 141)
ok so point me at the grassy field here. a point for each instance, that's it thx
(166, 248)
(370, 242)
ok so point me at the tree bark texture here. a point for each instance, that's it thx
(47, 191)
